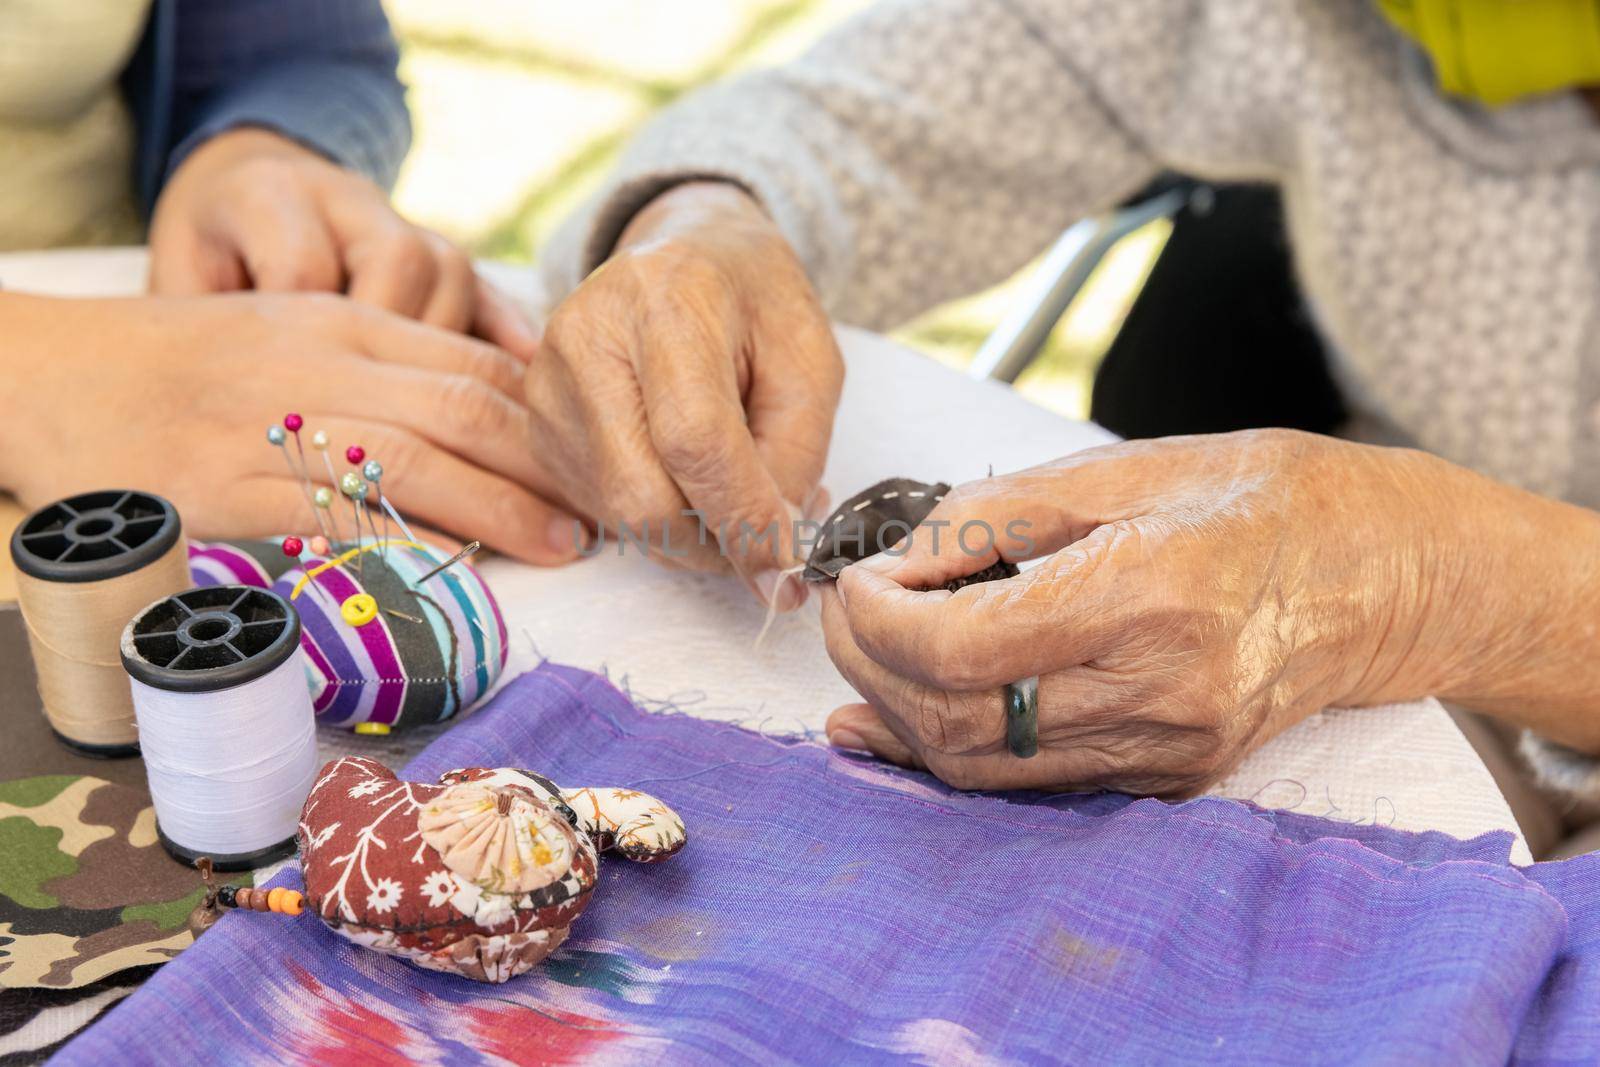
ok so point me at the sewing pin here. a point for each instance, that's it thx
(388, 509)
(324, 495)
(323, 498)
(452, 561)
(355, 489)
(354, 455)
(293, 422)
(402, 615)
(293, 546)
(277, 438)
(373, 472)
(383, 547)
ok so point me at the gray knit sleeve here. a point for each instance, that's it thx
(922, 150)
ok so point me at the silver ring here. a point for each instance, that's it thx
(1022, 717)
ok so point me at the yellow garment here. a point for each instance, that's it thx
(66, 137)
(1497, 51)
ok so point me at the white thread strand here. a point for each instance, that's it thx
(772, 605)
(230, 770)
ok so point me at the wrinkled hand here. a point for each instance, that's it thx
(694, 370)
(1199, 595)
(250, 209)
(173, 395)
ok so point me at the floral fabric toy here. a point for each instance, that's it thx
(481, 874)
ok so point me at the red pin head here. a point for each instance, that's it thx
(355, 454)
(292, 546)
(293, 422)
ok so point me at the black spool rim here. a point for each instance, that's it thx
(84, 748)
(210, 638)
(94, 536)
(238, 861)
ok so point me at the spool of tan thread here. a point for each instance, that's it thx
(85, 566)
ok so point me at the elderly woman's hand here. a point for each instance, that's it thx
(694, 370)
(250, 209)
(1200, 595)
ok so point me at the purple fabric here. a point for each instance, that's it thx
(830, 910)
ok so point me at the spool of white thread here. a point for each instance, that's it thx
(225, 722)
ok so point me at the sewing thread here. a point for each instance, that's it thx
(225, 721)
(84, 566)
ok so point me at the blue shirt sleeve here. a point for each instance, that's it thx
(322, 72)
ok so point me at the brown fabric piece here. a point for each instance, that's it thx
(85, 887)
(484, 959)
(11, 516)
(30, 748)
(876, 520)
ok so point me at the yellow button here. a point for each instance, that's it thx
(359, 609)
(379, 728)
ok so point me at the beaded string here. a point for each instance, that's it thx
(220, 898)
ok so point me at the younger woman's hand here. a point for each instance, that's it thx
(250, 209)
(1199, 595)
(174, 395)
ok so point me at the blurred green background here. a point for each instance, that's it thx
(520, 106)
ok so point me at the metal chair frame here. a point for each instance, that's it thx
(1017, 341)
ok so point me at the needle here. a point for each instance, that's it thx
(452, 561)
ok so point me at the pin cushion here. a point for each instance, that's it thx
(388, 646)
(481, 874)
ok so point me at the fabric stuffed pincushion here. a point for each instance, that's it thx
(481, 875)
(423, 652)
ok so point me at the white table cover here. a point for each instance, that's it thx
(687, 642)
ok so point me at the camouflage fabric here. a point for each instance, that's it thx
(85, 887)
(89, 901)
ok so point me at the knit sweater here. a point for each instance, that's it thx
(929, 148)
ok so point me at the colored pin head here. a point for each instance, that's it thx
(292, 547)
(320, 546)
(352, 486)
(293, 422)
(323, 497)
(319, 441)
(373, 471)
(275, 434)
(355, 454)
